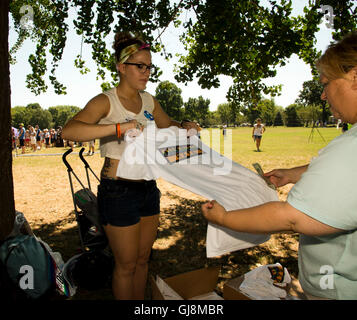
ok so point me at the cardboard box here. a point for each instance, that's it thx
(190, 284)
(200, 284)
(196, 285)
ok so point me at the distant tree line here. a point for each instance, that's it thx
(34, 114)
(307, 109)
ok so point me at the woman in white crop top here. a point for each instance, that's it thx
(258, 130)
(129, 209)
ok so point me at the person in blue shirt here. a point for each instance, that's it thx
(322, 204)
(22, 137)
(38, 137)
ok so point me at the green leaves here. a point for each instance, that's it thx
(49, 30)
(246, 40)
(169, 97)
(242, 43)
(196, 109)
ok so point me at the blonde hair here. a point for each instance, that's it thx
(339, 58)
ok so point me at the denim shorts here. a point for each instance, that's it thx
(121, 203)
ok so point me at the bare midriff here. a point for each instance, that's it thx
(109, 170)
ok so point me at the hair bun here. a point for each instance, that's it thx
(124, 39)
(121, 37)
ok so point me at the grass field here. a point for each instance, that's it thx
(43, 194)
(281, 146)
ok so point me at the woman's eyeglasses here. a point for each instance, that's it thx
(142, 67)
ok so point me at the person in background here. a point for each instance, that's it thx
(199, 131)
(38, 137)
(14, 135)
(22, 132)
(42, 137)
(91, 145)
(53, 136)
(59, 140)
(47, 137)
(27, 137)
(322, 204)
(258, 130)
(33, 138)
(129, 209)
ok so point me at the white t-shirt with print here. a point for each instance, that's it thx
(192, 165)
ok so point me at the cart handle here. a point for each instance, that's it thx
(82, 158)
(86, 165)
(65, 161)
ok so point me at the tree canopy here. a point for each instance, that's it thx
(224, 111)
(196, 109)
(310, 95)
(169, 97)
(292, 119)
(245, 40)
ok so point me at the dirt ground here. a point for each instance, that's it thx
(42, 193)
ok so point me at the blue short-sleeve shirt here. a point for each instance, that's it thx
(327, 192)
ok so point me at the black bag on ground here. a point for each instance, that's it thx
(91, 270)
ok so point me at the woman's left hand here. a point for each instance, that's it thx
(190, 125)
(214, 212)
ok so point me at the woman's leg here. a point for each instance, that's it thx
(131, 247)
(148, 231)
(257, 140)
(124, 242)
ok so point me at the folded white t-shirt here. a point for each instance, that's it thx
(190, 164)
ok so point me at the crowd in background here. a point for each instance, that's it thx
(34, 138)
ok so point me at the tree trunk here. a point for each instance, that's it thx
(7, 204)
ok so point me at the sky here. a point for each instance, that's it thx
(81, 88)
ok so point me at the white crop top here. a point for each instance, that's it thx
(258, 131)
(110, 146)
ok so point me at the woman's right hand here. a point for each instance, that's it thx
(131, 124)
(278, 177)
(281, 177)
(214, 212)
